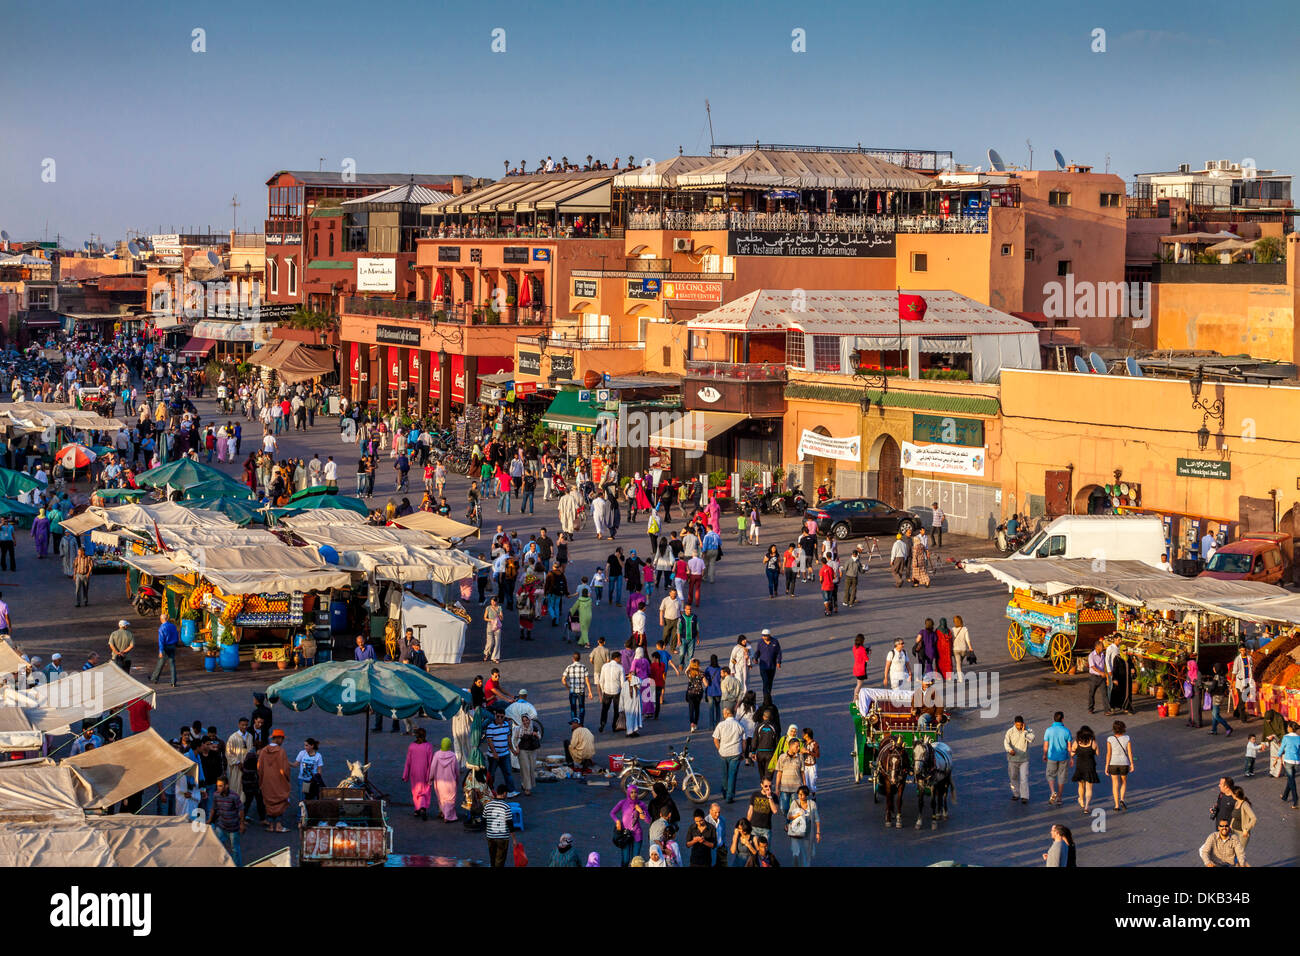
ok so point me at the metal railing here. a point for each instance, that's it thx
(520, 232)
(806, 222)
(737, 371)
(460, 313)
(580, 343)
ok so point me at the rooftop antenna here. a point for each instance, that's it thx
(995, 161)
(1108, 162)
(1031, 153)
(708, 112)
(234, 211)
(1060, 160)
(1081, 366)
(321, 165)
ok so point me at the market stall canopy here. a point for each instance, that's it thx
(118, 840)
(333, 502)
(354, 536)
(163, 514)
(267, 582)
(436, 524)
(1126, 582)
(124, 767)
(307, 519)
(355, 687)
(17, 732)
(179, 474)
(36, 416)
(222, 487)
(230, 537)
(86, 521)
(695, 430)
(10, 660)
(407, 564)
(269, 556)
(42, 791)
(295, 361)
(792, 169)
(1279, 608)
(154, 565)
(13, 483)
(238, 510)
(55, 707)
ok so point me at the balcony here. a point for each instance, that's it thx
(579, 343)
(806, 222)
(756, 389)
(487, 231)
(461, 313)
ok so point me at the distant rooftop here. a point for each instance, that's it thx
(326, 178)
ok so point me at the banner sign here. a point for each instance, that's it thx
(945, 459)
(825, 245)
(823, 446)
(1204, 468)
(946, 430)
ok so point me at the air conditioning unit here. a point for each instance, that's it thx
(1211, 164)
(683, 245)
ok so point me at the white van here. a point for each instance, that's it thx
(1111, 537)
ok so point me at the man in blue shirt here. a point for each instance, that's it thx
(1056, 753)
(712, 547)
(364, 651)
(168, 638)
(768, 653)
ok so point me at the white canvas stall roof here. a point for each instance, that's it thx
(163, 514)
(406, 564)
(695, 430)
(789, 169)
(366, 536)
(437, 525)
(86, 521)
(262, 557)
(331, 516)
(664, 175)
(55, 707)
(1279, 608)
(42, 792)
(118, 840)
(259, 582)
(1127, 582)
(154, 565)
(117, 770)
(39, 415)
(17, 732)
(10, 660)
(189, 538)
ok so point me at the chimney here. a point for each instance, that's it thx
(457, 185)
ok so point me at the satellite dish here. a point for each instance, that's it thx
(1134, 369)
(1060, 160)
(213, 258)
(4, 234)
(1097, 364)
(1080, 365)
(995, 160)
(86, 245)
(133, 247)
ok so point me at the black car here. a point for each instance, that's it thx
(854, 516)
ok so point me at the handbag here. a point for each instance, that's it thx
(622, 838)
(970, 659)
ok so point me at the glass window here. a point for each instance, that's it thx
(920, 262)
(826, 353)
(794, 352)
(1058, 197)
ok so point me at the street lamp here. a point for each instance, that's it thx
(1213, 409)
(1202, 437)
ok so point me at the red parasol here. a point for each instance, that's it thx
(526, 293)
(74, 456)
(439, 287)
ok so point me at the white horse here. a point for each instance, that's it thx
(356, 778)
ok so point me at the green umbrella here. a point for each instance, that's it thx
(342, 502)
(222, 487)
(117, 494)
(313, 491)
(24, 513)
(365, 687)
(15, 482)
(238, 510)
(178, 474)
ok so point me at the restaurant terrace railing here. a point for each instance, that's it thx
(460, 313)
(806, 222)
(737, 371)
(584, 343)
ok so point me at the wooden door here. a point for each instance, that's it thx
(1057, 493)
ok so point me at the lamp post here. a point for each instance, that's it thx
(1212, 409)
(444, 388)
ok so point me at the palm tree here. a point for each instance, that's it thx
(1269, 249)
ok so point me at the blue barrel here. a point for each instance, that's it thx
(338, 617)
(189, 630)
(229, 657)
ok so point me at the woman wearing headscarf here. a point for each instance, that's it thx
(630, 814)
(740, 662)
(417, 771)
(641, 668)
(600, 512)
(642, 499)
(593, 859)
(1121, 681)
(41, 533)
(529, 602)
(927, 646)
(944, 646)
(630, 701)
(583, 608)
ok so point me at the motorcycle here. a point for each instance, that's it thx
(823, 494)
(790, 502)
(148, 602)
(644, 776)
(1007, 543)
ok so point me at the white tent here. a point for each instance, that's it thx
(120, 840)
(442, 637)
(55, 707)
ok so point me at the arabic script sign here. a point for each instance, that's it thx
(830, 245)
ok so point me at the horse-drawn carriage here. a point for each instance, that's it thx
(896, 737)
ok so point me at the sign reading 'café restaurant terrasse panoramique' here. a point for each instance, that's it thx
(828, 245)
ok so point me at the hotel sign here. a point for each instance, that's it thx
(397, 335)
(1204, 468)
(820, 245)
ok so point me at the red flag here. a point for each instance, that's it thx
(911, 308)
(158, 538)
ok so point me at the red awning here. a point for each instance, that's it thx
(197, 346)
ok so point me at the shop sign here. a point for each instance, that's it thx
(584, 288)
(692, 291)
(530, 363)
(449, 253)
(397, 335)
(562, 366)
(376, 275)
(821, 245)
(637, 289)
(945, 459)
(541, 255)
(514, 254)
(823, 446)
(525, 388)
(268, 655)
(1204, 468)
(946, 430)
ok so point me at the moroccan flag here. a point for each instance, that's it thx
(911, 308)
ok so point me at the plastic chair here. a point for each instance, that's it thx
(516, 815)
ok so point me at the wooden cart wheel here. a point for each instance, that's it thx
(1016, 642)
(1061, 650)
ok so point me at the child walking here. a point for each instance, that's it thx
(598, 584)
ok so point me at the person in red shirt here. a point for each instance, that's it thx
(790, 561)
(138, 712)
(494, 696)
(827, 575)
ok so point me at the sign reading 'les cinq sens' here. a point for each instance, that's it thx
(692, 291)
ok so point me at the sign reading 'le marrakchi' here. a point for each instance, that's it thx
(823, 446)
(945, 459)
(827, 245)
(376, 275)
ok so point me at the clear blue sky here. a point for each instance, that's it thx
(144, 132)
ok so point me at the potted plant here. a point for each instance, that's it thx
(189, 625)
(210, 651)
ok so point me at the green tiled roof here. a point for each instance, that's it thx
(327, 211)
(329, 264)
(846, 395)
